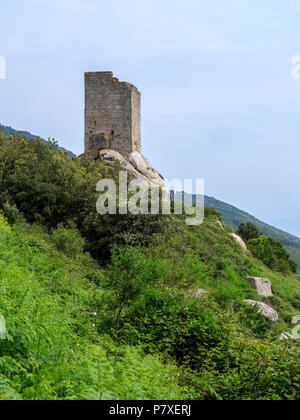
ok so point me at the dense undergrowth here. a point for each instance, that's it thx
(124, 324)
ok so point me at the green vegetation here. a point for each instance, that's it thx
(248, 231)
(104, 307)
(233, 216)
(272, 253)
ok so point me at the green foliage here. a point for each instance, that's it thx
(4, 226)
(53, 349)
(68, 241)
(248, 231)
(212, 213)
(47, 187)
(233, 216)
(129, 275)
(273, 254)
(154, 315)
(132, 329)
(253, 369)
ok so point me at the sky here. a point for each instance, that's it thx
(219, 100)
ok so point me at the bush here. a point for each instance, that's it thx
(248, 231)
(253, 369)
(68, 241)
(272, 254)
(212, 213)
(12, 214)
(4, 226)
(130, 274)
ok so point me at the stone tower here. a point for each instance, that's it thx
(112, 114)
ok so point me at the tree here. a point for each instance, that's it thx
(248, 231)
(272, 253)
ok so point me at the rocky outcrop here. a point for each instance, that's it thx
(261, 285)
(143, 166)
(265, 310)
(135, 163)
(239, 240)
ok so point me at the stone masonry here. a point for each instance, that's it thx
(112, 114)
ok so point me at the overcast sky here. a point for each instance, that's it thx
(219, 99)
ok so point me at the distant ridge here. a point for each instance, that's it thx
(9, 130)
(232, 216)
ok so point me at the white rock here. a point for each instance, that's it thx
(265, 310)
(261, 285)
(142, 165)
(286, 336)
(219, 224)
(198, 293)
(136, 164)
(239, 240)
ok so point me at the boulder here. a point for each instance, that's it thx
(286, 336)
(142, 165)
(198, 293)
(265, 310)
(219, 224)
(135, 164)
(261, 285)
(239, 240)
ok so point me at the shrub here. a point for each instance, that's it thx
(212, 213)
(4, 226)
(129, 276)
(68, 241)
(165, 321)
(12, 214)
(272, 254)
(248, 231)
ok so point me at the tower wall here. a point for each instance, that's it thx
(112, 113)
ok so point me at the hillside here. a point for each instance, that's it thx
(233, 216)
(128, 306)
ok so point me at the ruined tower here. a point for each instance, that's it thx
(112, 114)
